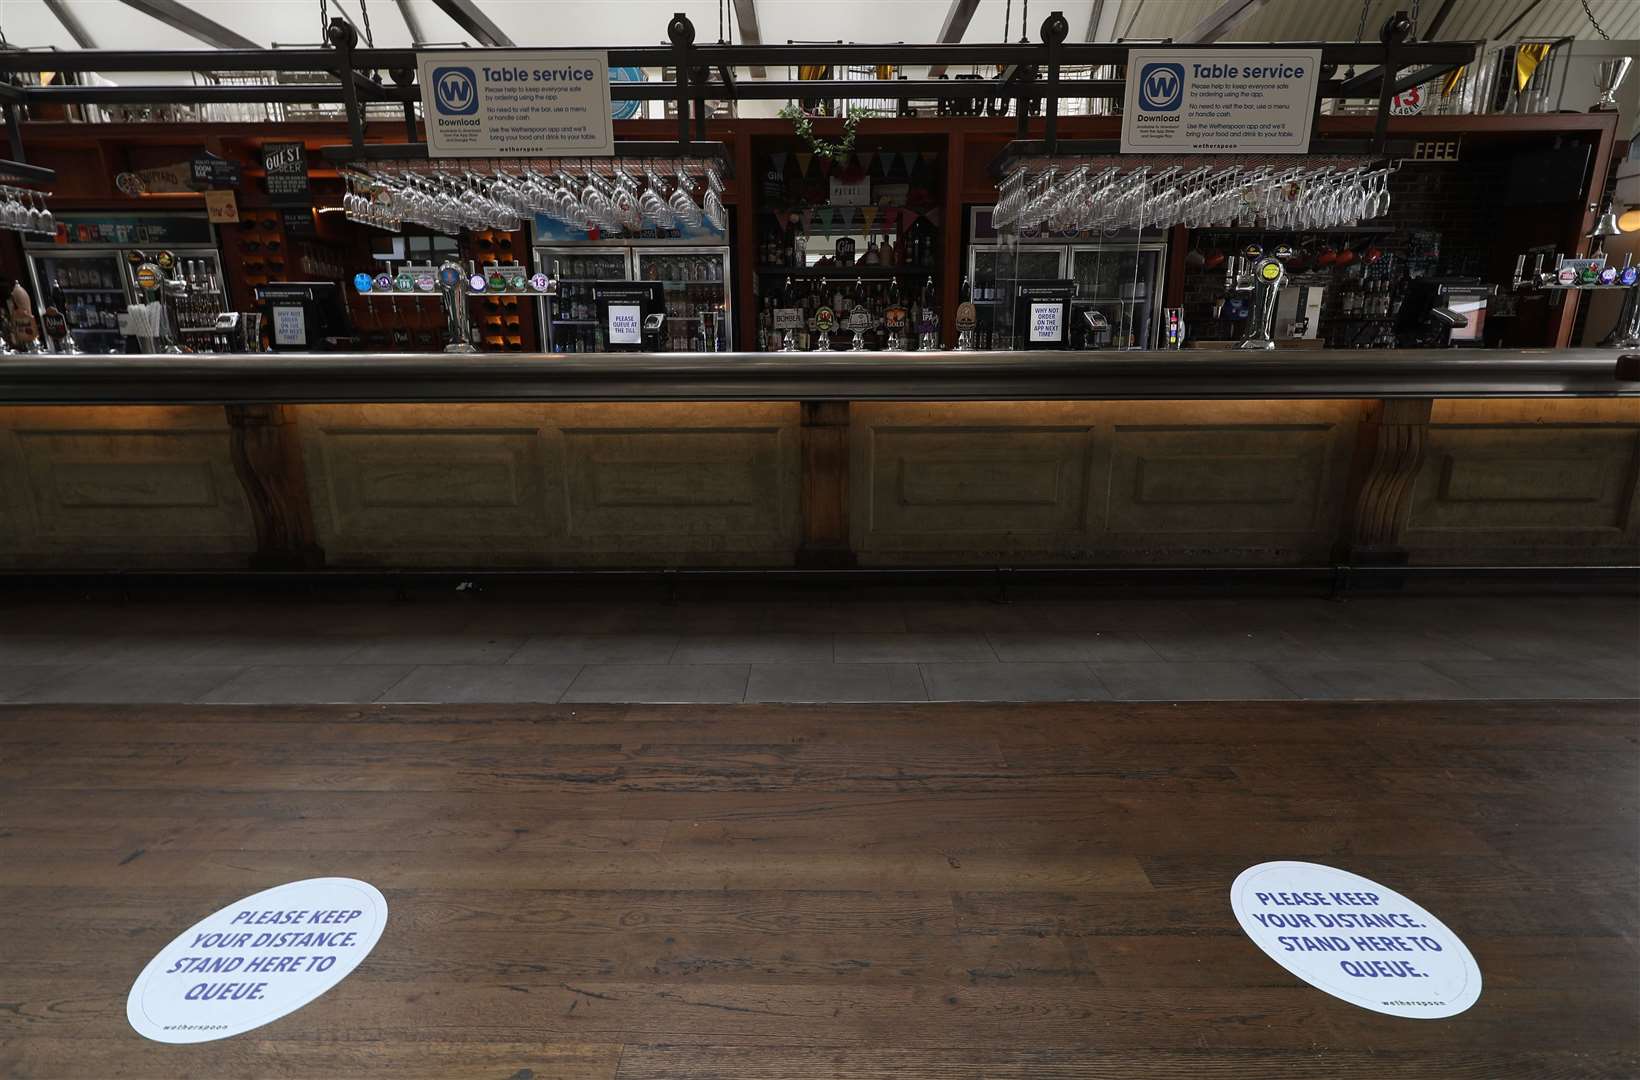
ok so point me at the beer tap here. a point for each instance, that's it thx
(458, 317)
(1262, 276)
(173, 291)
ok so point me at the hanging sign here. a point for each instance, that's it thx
(788, 318)
(1355, 939)
(1257, 101)
(257, 960)
(287, 169)
(516, 103)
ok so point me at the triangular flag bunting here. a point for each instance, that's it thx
(866, 157)
(826, 214)
(825, 165)
(779, 163)
(803, 160)
(869, 214)
(848, 216)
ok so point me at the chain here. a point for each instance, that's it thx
(370, 38)
(1361, 27)
(1007, 19)
(1601, 30)
(1025, 23)
(324, 21)
(1414, 34)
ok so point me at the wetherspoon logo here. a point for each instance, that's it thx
(1161, 87)
(455, 89)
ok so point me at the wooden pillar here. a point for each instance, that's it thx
(950, 257)
(824, 443)
(268, 458)
(744, 190)
(1390, 447)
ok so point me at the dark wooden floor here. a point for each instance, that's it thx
(880, 892)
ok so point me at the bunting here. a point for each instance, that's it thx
(803, 159)
(866, 158)
(779, 162)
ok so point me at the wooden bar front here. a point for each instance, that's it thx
(878, 460)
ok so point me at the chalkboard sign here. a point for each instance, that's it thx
(211, 171)
(287, 168)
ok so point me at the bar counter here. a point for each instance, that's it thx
(1285, 458)
(299, 378)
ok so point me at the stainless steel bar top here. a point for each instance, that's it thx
(296, 378)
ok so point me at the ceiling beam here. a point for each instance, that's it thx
(71, 22)
(1437, 22)
(750, 32)
(192, 23)
(957, 18)
(1220, 21)
(412, 23)
(475, 24)
(1102, 20)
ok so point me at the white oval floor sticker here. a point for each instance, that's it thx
(1355, 939)
(257, 960)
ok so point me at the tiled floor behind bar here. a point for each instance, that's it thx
(799, 648)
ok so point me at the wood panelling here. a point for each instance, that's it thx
(111, 486)
(1220, 478)
(561, 485)
(1003, 480)
(1529, 485)
(827, 484)
(1099, 482)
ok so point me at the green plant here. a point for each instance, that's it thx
(803, 124)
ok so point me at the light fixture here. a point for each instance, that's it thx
(1629, 220)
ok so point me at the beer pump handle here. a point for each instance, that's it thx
(1520, 270)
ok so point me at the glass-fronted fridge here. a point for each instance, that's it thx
(94, 294)
(1122, 281)
(693, 268)
(990, 267)
(697, 295)
(570, 320)
(1119, 276)
(93, 258)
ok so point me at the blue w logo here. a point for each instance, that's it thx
(455, 90)
(1161, 87)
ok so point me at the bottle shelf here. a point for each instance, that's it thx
(848, 271)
